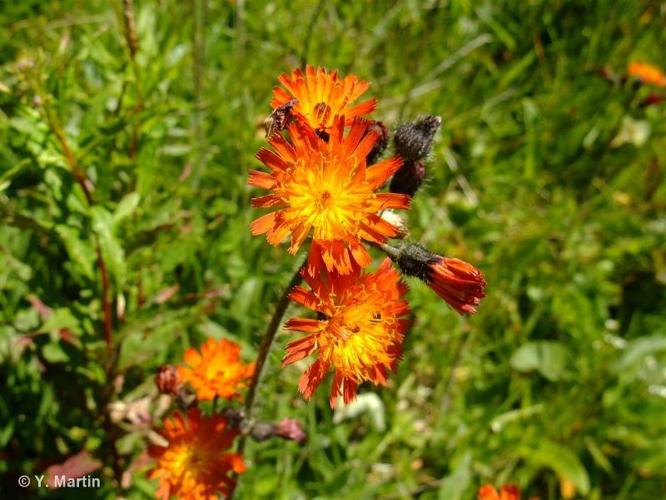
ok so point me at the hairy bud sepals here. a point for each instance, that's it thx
(459, 283)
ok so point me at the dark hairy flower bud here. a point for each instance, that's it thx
(380, 145)
(459, 283)
(413, 140)
(167, 380)
(408, 179)
(234, 416)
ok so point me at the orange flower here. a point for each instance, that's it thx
(507, 492)
(647, 73)
(324, 188)
(216, 371)
(359, 335)
(459, 283)
(195, 464)
(322, 96)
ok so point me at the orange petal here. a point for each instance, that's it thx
(263, 224)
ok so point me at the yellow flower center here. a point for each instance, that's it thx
(326, 198)
(357, 340)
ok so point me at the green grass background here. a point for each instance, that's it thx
(545, 175)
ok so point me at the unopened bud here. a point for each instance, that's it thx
(261, 431)
(459, 283)
(233, 416)
(167, 380)
(408, 179)
(380, 145)
(291, 429)
(413, 140)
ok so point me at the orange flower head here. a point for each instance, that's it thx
(360, 331)
(196, 464)
(326, 189)
(459, 283)
(216, 371)
(647, 73)
(507, 492)
(322, 96)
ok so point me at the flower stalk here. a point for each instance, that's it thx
(267, 340)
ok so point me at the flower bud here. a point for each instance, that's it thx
(460, 284)
(167, 380)
(413, 140)
(381, 143)
(408, 179)
(291, 429)
(261, 431)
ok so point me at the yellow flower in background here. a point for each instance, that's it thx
(647, 73)
(506, 492)
(216, 371)
(197, 463)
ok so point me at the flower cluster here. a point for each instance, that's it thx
(216, 371)
(325, 179)
(195, 460)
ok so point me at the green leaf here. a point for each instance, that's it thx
(547, 357)
(560, 459)
(54, 353)
(80, 251)
(126, 207)
(454, 485)
(637, 350)
(112, 250)
(61, 318)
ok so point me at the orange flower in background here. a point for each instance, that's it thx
(459, 283)
(196, 463)
(507, 492)
(359, 335)
(322, 96)
(647, 73)
(216, 371)
(326, 189)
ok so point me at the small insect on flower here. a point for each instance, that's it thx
(506, 492)
(197, 462)
(360, 331)
(327, 190)
(322, 96)
(216, 371)
(647, 73)
(279, 118)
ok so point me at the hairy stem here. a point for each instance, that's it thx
(269, 336)
(264, 349)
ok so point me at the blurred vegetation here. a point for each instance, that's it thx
(546, 175)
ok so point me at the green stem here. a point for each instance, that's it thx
(264, 349)
(267, 341)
